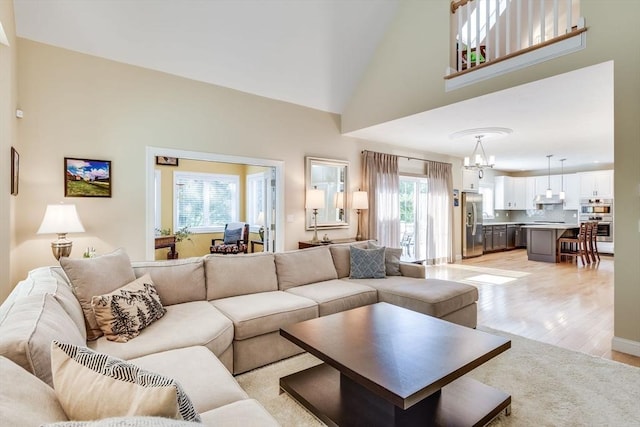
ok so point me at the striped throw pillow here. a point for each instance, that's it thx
(91, 386)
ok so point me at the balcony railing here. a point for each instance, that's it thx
(485, 32)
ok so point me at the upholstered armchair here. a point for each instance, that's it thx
(234, 241)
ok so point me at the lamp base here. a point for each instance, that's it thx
(358, 233)
(315, 227)
(61, 247)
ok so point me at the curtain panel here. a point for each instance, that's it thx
(439, 213)
(381, 181)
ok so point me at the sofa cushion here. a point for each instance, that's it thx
(183, 325)
(202, 375)
(367, 263)
(28, 328)
(127, 422)
(92, 385)
(247, 413)
(391, 259)
(229, 276)
(434, 297)
(342, 258)
(24, 399)
(176, 280)
(49, 280)
(97, 276)
(257, 314)
(306, 266)
(123, 313)
(337, 295)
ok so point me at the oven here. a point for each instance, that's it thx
(600, 210)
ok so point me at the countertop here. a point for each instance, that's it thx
(552, 226)
(529, 223)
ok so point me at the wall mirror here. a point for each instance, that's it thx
(330, 176)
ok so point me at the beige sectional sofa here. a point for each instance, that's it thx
(223, 315)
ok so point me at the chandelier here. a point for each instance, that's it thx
(479, 160)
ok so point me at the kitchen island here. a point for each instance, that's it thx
(542, 240)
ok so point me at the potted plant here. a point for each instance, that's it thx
(179, 235)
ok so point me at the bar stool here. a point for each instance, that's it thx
(593, 241)
(575, 246)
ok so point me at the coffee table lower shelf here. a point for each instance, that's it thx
(338, 401)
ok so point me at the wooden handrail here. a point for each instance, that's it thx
(519, 52)
(455, 4)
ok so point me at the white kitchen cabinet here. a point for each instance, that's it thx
(572, 191)
(509, 193)
(470, 180)
(596, 184)
(519, 193)
(530, 193)
(542, 183)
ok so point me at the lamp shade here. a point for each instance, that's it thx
(60, 219)
(360, 200)
(340, 200)
(260, 220)
(315, 199)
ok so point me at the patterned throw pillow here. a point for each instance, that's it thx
(391, 259)
(367, 263)
(123, 313)
(92, 386)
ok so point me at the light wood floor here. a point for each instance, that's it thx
(560, 304)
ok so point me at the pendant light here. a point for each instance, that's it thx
(549, 193)
(562, 193)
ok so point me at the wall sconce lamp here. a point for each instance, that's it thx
(315, 201)
(359, 202)
(61, 219)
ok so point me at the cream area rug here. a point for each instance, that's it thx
(549, 386)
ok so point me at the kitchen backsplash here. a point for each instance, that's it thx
(552, 213)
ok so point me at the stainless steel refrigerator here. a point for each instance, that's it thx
(472, 234)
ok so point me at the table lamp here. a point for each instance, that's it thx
(315, 201)
(359, 202)
(61, 219)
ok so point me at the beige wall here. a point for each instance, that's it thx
(8, 97)
(82, 106)
(405, 77)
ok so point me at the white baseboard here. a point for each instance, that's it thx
(624, 345)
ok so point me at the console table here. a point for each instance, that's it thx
(167, 242)
(310, 244)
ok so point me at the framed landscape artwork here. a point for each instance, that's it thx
(87, 178)
(15, 171)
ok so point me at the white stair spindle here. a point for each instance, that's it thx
(530, 28)
(478, 31)
(543, 20)
(468, 8)
(459, 43)
(497, 51)
(518, 24)
(569, 18)
(507, 32)
(487, 28)
(555, 18)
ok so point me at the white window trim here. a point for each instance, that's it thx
(157, 187)
(209, 176)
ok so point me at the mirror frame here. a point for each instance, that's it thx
(340, 164)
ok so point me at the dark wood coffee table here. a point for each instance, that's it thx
(389, 366)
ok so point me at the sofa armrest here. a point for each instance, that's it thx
(409, 269)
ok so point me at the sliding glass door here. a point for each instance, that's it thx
(413, 217)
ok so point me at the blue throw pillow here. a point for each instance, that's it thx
(367, 263)
(231, 237)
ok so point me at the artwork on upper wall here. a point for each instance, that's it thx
(166, 161)
(15, 171)
(87, 178)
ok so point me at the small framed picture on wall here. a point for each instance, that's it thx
(166, 161)
(87, 178)
(15, 171)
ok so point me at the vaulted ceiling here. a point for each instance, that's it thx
(314, 53)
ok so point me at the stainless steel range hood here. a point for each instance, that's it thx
(541, 200)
